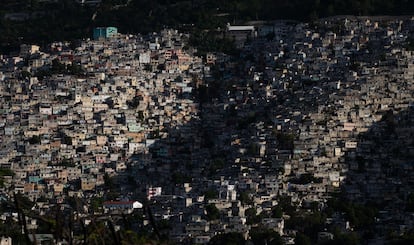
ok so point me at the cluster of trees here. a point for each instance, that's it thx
(285, 140)
(62, 222)
(58, 68)
(207, 41)
(306, 179)
(4, 172)
(360, 216)
(68, 20)
(61, 20)
(134, 103)
(258, 236)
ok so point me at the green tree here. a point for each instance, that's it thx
(211, 194)
(245, 198)
(58, 67)
(252, 216)
(65, 139)
(231, 238)
(109, 182)
(96, 203)
(360, 216)
(34, 140)
(306, 179)
(285, 203)
(277, 212)
(148, 68)
(66, 162)
(285, 140)
(134, 103)
(74, 69)
(25, 75)
(262, 236)
(180, 178)
(212, 212)
(4, 172)
(340, 238)
(302, 239)
(216, 165)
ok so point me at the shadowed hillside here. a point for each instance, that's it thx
(42, 22)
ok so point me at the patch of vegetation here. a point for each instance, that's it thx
(262, 236)
(4, 172)
(69, 20)
(231, 238)
(34, 140)
(306, 179)
(212, 212)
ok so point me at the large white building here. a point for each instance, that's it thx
(240, 34)
(122, 206)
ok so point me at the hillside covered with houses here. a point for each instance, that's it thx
(302, 135)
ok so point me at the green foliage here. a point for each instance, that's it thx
(407, 238)
(277, 212)
(164, 224)
(66, 140)
(96, 203)
(25, 75)
(178, 79)
(148, 68)
(109, 182)
(231, 238)
(63, 20)
(12, 229)
(350, 238)
(5, 172)
(180, 178)
(66, 163)
(262, 236)
(68, 20)
(245, 198)
(216, 165)
(389, 119)
(410, 44)
(211, 194)
(285, 140)
(73, 202)
(131, 237)
(140, 116)
(34, 140)
(134, 103)
(250, 212)
(207, 93)
(59, 68)
(24, 202)
(285, 204)
(306, 179)
(41, 74)
(252, 216)
(112, 195)
(208, 41)
(212, 212)
(309, 224)
(302, 239)
(361, 216)
(244, 122)
(74, 69)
